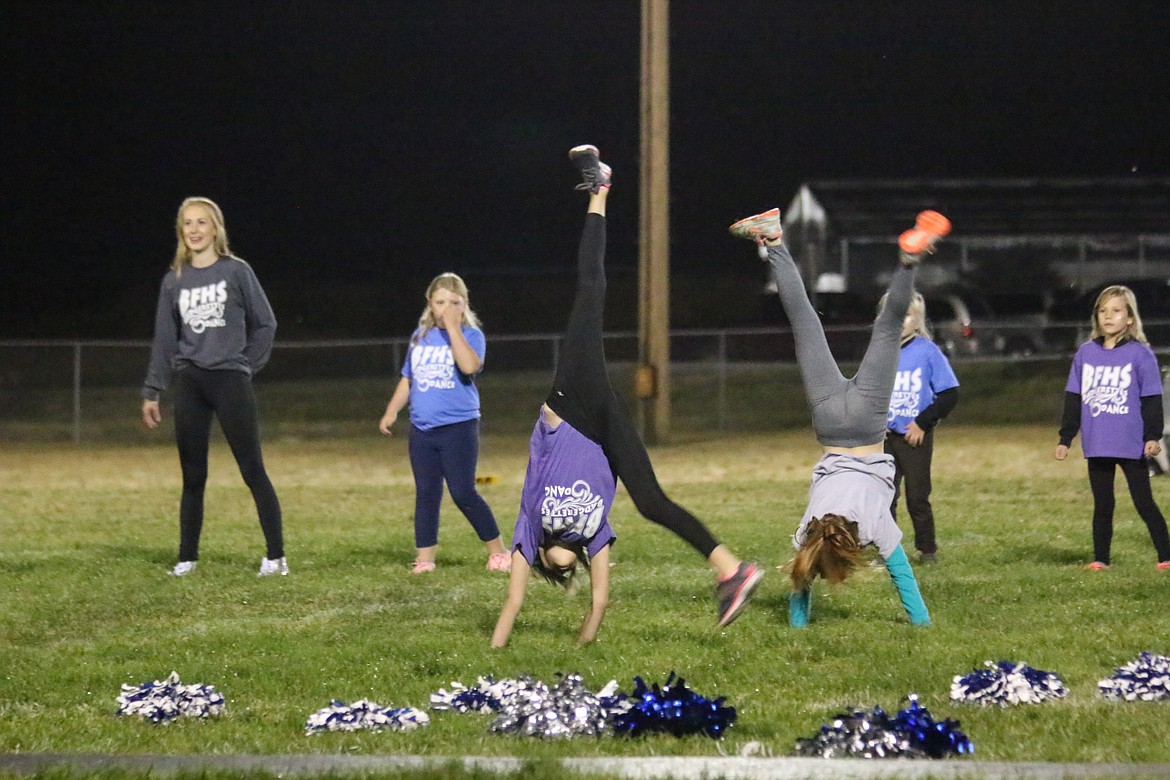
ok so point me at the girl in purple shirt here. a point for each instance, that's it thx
(585, 440)
(1114, 399)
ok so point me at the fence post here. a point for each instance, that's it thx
(722, 397)
(77, 392)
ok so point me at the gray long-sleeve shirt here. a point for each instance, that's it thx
(217, 318)
(860, 489)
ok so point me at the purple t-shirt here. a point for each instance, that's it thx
(568, 492)
(1111, 384)
(441, 394)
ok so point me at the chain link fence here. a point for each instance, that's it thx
(721, 379)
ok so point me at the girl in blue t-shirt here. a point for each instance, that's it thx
(1114, 399)
(446, 352)
(925, 391)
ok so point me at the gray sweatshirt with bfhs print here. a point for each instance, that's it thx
(217, 318)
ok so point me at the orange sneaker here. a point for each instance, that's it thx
(934, 223)
(1163, 566)
(914, 242)
(929, 227)
(1097, 566)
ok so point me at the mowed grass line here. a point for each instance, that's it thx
(88, 533)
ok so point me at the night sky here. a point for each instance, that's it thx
(360, 147)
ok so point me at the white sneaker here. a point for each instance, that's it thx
(181, 568)
(274, 566)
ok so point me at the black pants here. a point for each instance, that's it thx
(583, 396)
(1101, 471)
(200, 394)
(912, 468)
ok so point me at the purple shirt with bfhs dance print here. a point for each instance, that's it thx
(568, 492)
(1111, 384)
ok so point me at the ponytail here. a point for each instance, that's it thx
(831, 550)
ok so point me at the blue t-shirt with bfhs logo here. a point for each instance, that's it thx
(1111, 384)
(923, 373)
(441, 394)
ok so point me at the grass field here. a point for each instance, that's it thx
(87, 533)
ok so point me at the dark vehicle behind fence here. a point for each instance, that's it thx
(964, 324)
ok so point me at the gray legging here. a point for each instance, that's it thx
(845, 412)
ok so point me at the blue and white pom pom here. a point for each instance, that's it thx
(1147, 678)
(912, 733)
(365, 715)
(1007, 683)
(486, 695)
(162, 701)
(673, 709)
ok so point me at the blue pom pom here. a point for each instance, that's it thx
(911, 733)
(673, 709)
(935, 739)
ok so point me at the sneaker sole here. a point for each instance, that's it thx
(741, 229)
(915, 242)
(934, 223)
(741, 598)
(577, 151)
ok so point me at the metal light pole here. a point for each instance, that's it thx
(652, 383)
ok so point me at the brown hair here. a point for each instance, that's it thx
(830, 549)
(561, 576)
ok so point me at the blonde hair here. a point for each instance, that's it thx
(831, 549)
(1133, 329)
(451, 282)
(916, 309)
(220, 242)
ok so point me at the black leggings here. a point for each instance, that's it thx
(583, 396)
(1138, 477)
(200, 394)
